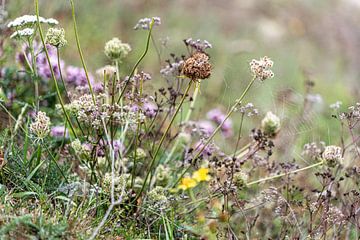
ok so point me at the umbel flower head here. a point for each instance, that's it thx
(270, 124)
(197, 66)
(29, 21)
(40, 128)
(332, 155)
(56, 37)
(261, 68)
(23, 33)
(115, 49)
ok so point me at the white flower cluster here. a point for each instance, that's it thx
(40, 128)
(26, 32)
(261, 68)
(115, 49)
(144, 23)
(30, 20)
(92, 114)
(332, 155)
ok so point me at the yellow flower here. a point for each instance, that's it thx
(201, 175)
(186, 183)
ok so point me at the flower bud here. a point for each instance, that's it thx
(56, 37)
(115, 49)
(270, 124)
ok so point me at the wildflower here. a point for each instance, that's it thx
(26, 33)
(261, 68)
(41, 126)
(108, 71)
(77, 76)
(76, 145)
(198, 45)
(59, 132)
(332, 155)
(52, 21)
(270, 124)
(150, 109)
(197, 66)
(184, 138)
(56, 37)
(205, 127)
(115, 49)
(218, 117)
(25, 21)
(144, 23)
(187, 183)
(201, 175)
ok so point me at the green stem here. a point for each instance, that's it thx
(285, 174)
(80, 51)
(233, 108)
(35, 75)
(187, 118)
(163, 138)
(138, 61)
(51, 69)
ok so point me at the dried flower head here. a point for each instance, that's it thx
(115, 49)
(261, 68)
(144, 23)
(40, 128)
(56, 37)
(109, 71)
(332, 155)
(197, 66)
(270, 124)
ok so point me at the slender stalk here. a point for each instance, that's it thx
(233, 108)
(187, 118)
(285, 174)
(138, 61)
(80, 51)
(51, 69)
(34, 74)
(61, 76)
(163, 138)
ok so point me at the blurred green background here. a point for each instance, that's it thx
(316, 40)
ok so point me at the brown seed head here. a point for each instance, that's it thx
(197, 66)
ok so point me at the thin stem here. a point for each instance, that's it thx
(34, 74)
(163, 138)
(80, 51)
(233, 108)
(61, 76)
(285, 174)
(138, 61)
(187, 118)
(51, 69)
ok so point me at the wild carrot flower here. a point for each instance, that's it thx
(25, 21)
(270, 124)
(115, 49)
(23, 33)
(56, 37)
(261, 68)
(201, 175)
(40, 128)
(187, 183)
(198, 45)
(197, 66)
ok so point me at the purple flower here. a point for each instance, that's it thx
(208, 150)
(150, 109)
(77, 77)
(218, 117)
(59, 131)
(205, 127)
